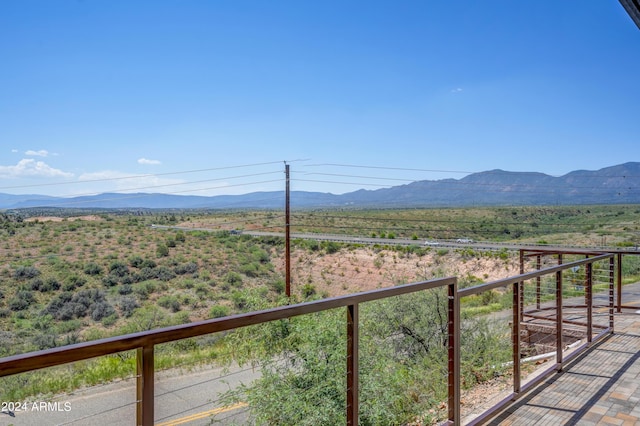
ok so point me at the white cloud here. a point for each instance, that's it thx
(29, 167)
(147, 161)
(456, 90)
(14, 150)
(103, 175)
(41, 153)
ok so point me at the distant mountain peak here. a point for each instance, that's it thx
(610, 185)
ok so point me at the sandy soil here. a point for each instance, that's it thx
(60, 219)
(362, 269)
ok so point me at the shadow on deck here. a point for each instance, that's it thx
(600, 387)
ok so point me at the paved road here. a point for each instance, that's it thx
(478, 245)
(181, 399)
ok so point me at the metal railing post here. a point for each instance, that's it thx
(589, 301)
(453, 347)
(559, 319)
(515, 335)
(352, 365)
(619, 282)
(144, 386)
(538, 282)
(611, 287)
(521, 290)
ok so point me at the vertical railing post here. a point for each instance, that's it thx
(619, 282)
(611, 286)
(585, 283)
(521, 284)
(287, 233)
(352, 365)
(515, 336)
(559, 319)
(453, 346)
(144, 386)
(538, 282)
(589, 301)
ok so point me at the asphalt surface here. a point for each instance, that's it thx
(182, 398)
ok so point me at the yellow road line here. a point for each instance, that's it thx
(202, 414)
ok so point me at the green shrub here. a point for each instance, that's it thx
(144, 289)
(331, 247)
(73, 282)
(127, 306)
(108, 321)
(219, 311)
(162, 250)
(136, 261)
(164, 274)
(202, 290)
(169, 302)
(92, 269)
(100, 310)
(186, 268)
(118, 269)
(50, 284)
(21, 301)
(26, 272)
(308, 290)
(36, 284)
(279, 286)
(125, 289)
(250, 269)
(67, 306)
(110, 280)
(239, 299)
(233, 278)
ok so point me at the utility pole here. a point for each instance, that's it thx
(287, 235)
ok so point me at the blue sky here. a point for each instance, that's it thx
(211, 97)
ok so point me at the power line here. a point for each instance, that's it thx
(387, 168)
(143, 176)
(454, 182)
(430, 185)
(583, 174)
(181, 184)
(361, 177)
(50, 203)
(473, 187)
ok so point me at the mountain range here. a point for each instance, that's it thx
(611, 185)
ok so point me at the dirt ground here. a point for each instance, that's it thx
(361, 269)
(60, 219)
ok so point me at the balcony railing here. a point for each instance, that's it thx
(520, 285)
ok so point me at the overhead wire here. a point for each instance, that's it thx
(473, 186)
(141, 176)
(442, 185)
(70, 202)
(576, 173)
(128, 190)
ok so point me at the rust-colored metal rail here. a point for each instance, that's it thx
(516, 283)
(144, 342)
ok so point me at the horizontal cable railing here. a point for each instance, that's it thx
(529, 293)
